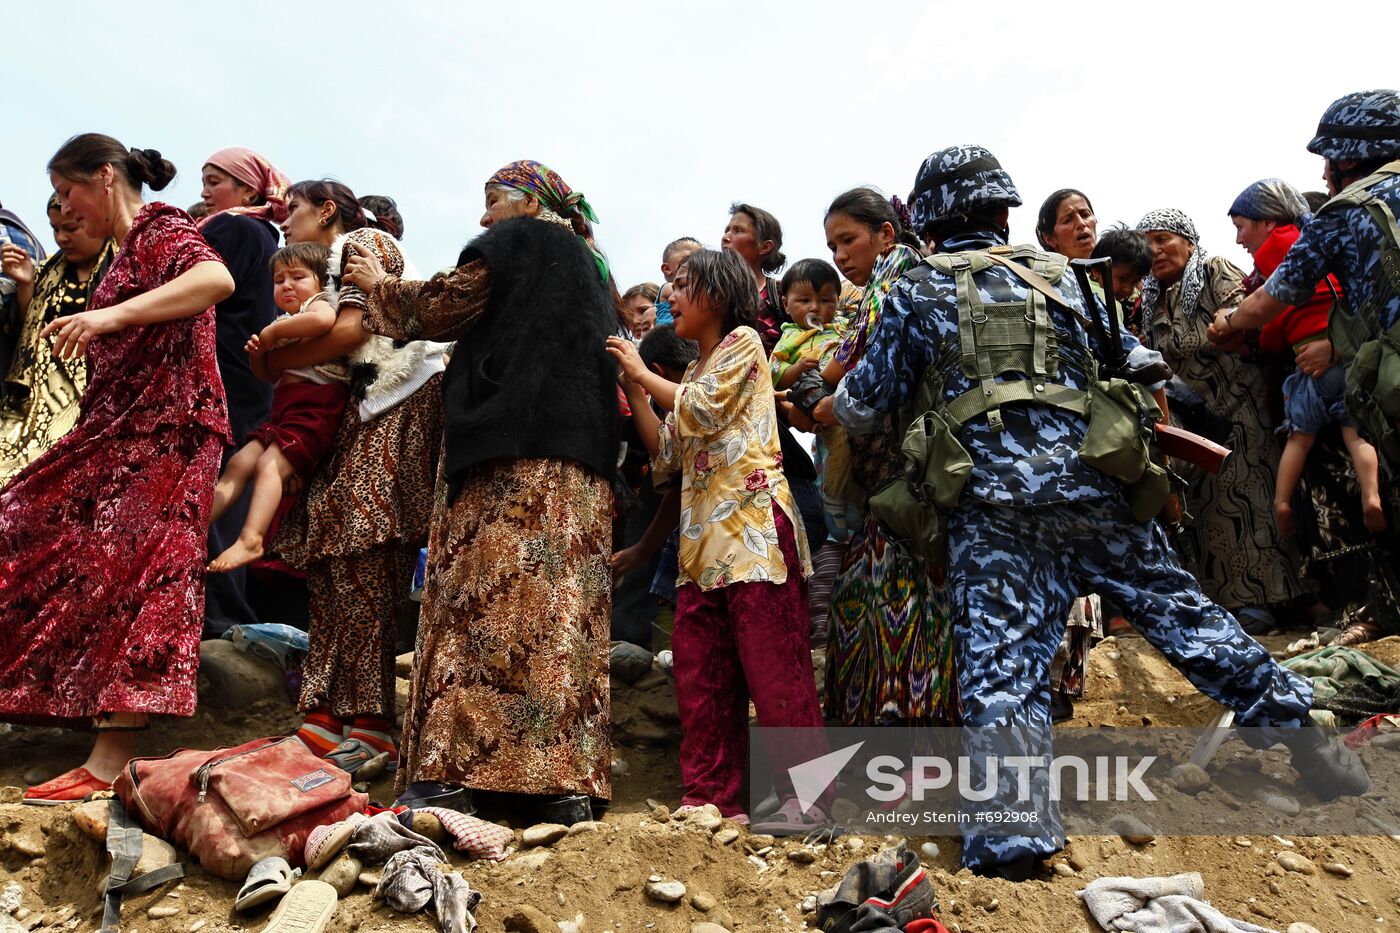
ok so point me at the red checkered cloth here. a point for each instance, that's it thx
(477, 838)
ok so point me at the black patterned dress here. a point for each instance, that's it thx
(1242, 559)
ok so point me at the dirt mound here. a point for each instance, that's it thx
(731, 878)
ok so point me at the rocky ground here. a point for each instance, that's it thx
(639, 869)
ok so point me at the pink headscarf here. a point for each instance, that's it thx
(257, 173)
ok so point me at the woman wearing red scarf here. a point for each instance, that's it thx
(1267, 216)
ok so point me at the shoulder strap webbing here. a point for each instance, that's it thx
(1038, 283)
(976, 401)
(124, 844)
(975, 356)
(1353, 192)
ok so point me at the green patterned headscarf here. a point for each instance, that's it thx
(553, 192)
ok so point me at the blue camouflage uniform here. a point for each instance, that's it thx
(1347, 243)
(1363, 126)
(1035, 526)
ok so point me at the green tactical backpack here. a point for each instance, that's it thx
(1372, 356)
(994, 340)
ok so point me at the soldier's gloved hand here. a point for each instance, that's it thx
(809, 389)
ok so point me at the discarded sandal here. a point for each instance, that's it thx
(790, 820)
(70, 787)
(352, 755)
(306, 908)
(325, 842)
(267, 880)
(1357, 633)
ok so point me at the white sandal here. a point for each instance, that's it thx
(267, 880)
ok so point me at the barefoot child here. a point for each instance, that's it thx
(1310, 403)
(306, 404)
(741, 612)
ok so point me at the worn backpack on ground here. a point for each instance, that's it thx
(232, 807)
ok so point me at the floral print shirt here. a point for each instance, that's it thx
(723, 440)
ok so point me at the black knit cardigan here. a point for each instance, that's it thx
(533, 378)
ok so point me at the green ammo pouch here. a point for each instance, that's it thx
(913, 508)
(1119, 438)
(1118, 442)
(1150, 494)
(1373, 392)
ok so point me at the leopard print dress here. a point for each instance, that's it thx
(356, 531)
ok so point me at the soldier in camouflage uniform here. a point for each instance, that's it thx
(1034, 526)
(1359, 137)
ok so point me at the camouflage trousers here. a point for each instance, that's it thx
(1013, 573)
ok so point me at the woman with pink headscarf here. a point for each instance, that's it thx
(246, 196)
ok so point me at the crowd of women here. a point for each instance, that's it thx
(358, 411)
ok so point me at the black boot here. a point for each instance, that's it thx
(437, 794)
(1061, 706)
(565, 809)
(1021, 868)
(1328, 768)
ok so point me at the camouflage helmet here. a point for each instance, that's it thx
(959, 180)
(1361, 126)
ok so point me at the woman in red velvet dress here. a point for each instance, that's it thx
(102, 539)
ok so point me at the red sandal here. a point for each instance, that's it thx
(71, 787)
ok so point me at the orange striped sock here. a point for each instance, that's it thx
(374, 732)
(321, 731)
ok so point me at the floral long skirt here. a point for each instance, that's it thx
(510, 679)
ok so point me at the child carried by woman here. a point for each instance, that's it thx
(307, 403)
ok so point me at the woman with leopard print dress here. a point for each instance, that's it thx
(357, 527)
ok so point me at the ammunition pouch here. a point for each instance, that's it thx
(913, 508)
(1118, 442)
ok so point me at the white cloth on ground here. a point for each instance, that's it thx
(1159, 905)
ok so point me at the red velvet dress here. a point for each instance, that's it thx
(102, 539)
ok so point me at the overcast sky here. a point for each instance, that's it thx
(664, 113)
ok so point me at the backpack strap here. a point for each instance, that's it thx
(1352, 193)
(974, 402)
(124, 843)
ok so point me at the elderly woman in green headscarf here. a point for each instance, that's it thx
(40, 396)
(510, 680)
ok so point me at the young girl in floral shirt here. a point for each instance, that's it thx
(741, 624)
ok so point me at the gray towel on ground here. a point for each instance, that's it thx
(412, 876)
(1159, 905)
